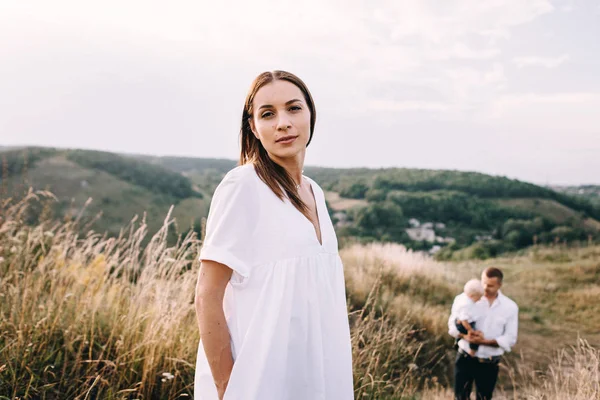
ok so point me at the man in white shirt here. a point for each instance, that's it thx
(497, 334)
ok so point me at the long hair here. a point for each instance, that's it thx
(252, 150)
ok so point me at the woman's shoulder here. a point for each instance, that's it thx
(238, 186)
(241, 175)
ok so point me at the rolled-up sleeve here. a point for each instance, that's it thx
(509, 337)
(229, 228)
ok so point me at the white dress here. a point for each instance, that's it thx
(285, 304)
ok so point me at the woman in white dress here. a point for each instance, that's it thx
(270, 298)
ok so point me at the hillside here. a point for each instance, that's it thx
(435, 209)
(454, 214)
(119, 187)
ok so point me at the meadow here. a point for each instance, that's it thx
(87, 316)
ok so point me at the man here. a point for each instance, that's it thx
(497, 333)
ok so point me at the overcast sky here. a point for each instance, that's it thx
(507, 87)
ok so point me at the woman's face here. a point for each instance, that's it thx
(281, 119)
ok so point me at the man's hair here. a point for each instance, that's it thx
(493, 272)
(474, 286)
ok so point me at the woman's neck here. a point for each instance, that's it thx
(293, 165)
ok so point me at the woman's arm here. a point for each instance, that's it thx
(210, 290)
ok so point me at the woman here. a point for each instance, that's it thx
(270, 298)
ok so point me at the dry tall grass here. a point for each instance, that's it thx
(85, 317)
(94, 317)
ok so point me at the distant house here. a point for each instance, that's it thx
(425, 232)
(421, 234)
(482, 238)
(414, 222)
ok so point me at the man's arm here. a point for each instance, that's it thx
(452, 331)
(509, 338)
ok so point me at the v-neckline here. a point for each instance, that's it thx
(320, 232)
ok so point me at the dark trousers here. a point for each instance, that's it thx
(467, 370)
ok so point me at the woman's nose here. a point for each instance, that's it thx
(283, 124)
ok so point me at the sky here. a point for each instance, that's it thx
(505, 87)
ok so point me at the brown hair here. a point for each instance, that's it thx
(252, 150)
(493, 272)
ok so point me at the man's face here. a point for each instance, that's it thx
(490, 285)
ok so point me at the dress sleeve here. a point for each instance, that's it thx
(231, 221)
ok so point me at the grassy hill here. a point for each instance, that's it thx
(119, 187)
(435, 210)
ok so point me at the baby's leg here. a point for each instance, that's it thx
(461, 327)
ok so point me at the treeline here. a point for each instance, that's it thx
(138, 172)
(467, 220)
(517, 234)
(375, 184)
(466, 203)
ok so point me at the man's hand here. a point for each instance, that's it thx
(475, 337)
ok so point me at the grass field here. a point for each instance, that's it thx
(85, 317)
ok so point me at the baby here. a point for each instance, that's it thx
(466, 311)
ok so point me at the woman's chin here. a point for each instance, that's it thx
(286, 154)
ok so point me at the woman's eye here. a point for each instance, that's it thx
(295, 108)
(266, 114)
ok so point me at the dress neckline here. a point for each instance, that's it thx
(319, 216)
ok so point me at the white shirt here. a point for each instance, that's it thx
(499, 321)
(465, 309)
(285, 304)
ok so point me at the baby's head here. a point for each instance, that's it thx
(474, 289)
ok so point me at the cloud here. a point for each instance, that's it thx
(387, 105)
(514, 100)
(409, 73)
(570, 116)
(534, 61)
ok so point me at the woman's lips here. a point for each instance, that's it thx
(287, 139)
